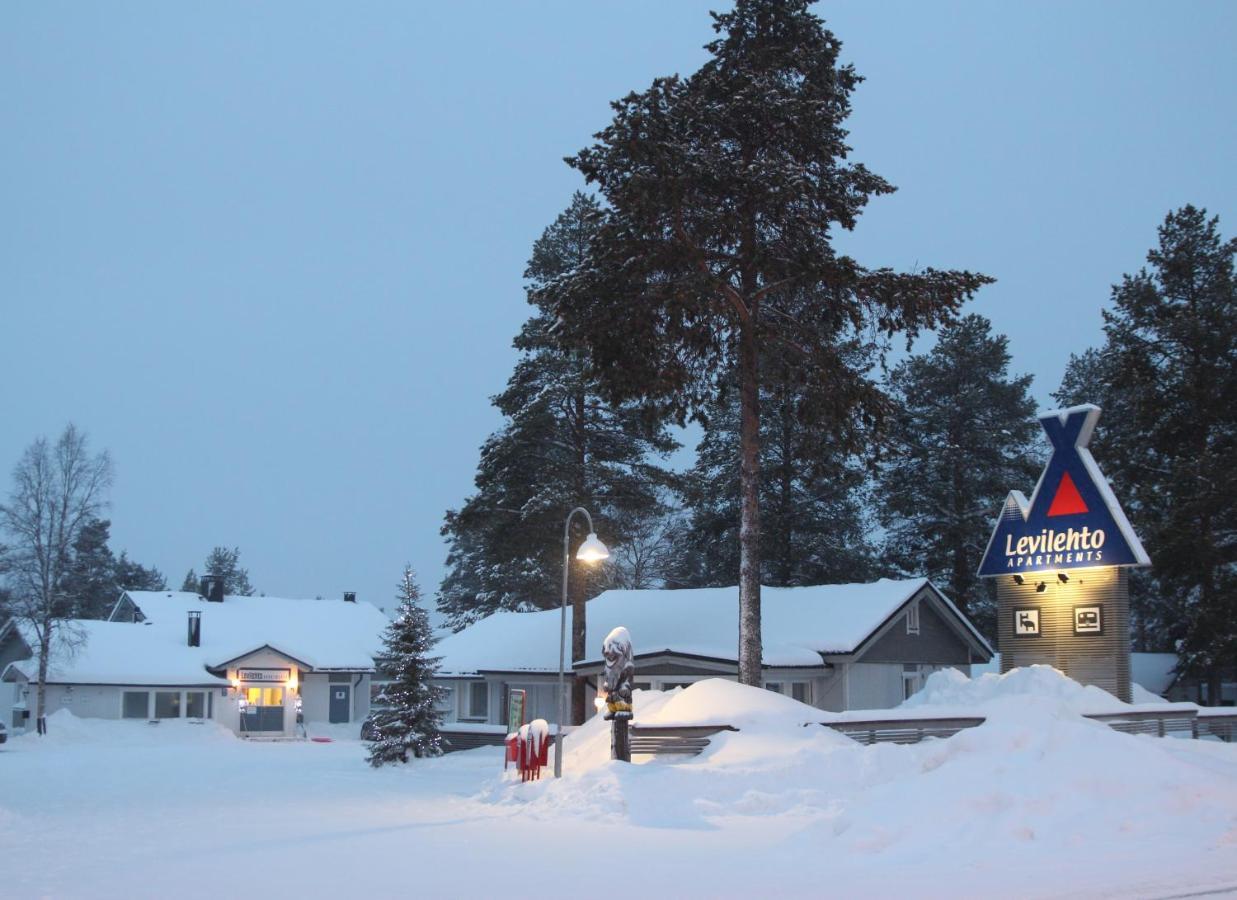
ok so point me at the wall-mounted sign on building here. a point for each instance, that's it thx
(1026, 622)
(1060, 560)
(270, 675)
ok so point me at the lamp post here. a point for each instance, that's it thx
(592, 550)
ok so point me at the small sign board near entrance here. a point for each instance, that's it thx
(268, 675)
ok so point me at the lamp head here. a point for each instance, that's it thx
(592, 550)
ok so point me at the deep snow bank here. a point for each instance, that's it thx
(67, 730)
(1036, 773)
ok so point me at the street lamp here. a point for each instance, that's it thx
(591, 551)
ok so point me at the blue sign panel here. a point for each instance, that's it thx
(1073, 521)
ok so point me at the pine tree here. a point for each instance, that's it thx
(132, 576)
(561, 446)
(723, 190)
(813, 525)
(408, 719)
(95, 577)
(1171, 362)
(226, 564)
(963, 436)
(89, 584)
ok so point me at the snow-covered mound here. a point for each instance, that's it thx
(67, 730)
(719, 701)
(1042, 684)
(1037, 775)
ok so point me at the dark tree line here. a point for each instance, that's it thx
(1166, 377)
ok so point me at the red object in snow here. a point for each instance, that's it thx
(529, 749)
(321, 740)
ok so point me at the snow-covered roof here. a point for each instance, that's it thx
(798, 625)
(323, 634)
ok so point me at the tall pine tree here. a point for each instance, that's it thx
(561, 446)
(723, 191)
(963, 436)
(1170, 362)
(408, 719)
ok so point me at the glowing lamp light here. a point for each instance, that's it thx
(592, 550)
(292, 683)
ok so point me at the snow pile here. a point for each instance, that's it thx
(67, 730)
(1037, 776)
(951, 689)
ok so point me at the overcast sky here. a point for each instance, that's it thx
(270, 255)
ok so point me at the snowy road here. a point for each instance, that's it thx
(125, 810)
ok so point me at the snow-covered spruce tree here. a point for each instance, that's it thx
(962, 437)
(561, 446)
(723, 191)
(407, 721)
(1170, 440)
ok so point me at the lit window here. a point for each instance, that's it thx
(912, 619)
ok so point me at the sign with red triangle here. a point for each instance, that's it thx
(1072, 520)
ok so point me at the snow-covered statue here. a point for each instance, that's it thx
(617, 677)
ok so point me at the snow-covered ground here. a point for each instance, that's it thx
(1038, 801)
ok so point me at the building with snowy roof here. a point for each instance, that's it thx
(249, 663)
(837, 647)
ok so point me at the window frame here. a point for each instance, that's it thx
(912, 618)
(178, 704)
(123, 712)
(466, 700)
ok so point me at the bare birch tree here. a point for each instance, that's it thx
(57, 489)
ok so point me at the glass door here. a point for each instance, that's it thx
(264, 711)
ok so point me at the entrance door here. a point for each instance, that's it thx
(341, 707)
(265, 709)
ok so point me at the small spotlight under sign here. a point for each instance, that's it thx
(1041, 587)
(1018, 579)
(1062, 577)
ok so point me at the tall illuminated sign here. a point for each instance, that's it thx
(1072, 520)
(1061, 562)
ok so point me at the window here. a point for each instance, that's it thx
(136, 704)
(167, 704)
(799, 691)
(912, 619)
(775, 686)
(912, 680)
(478, 700)
(195, 704)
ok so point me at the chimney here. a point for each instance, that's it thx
(195, 628)
(350, 596)
(212, 588)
